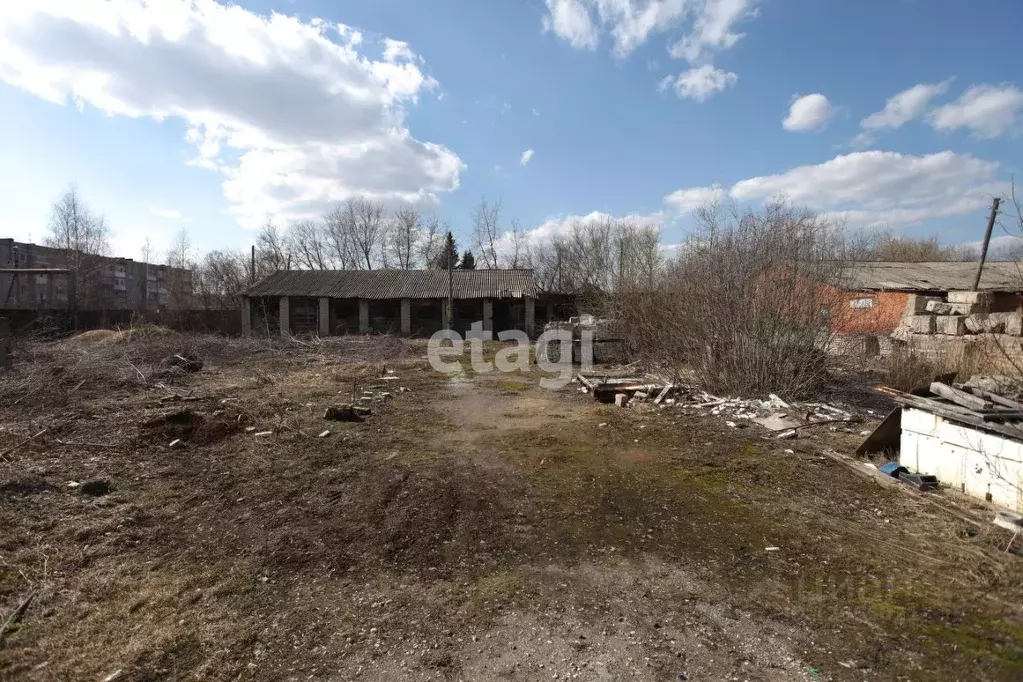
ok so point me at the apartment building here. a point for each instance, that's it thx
(102, 282)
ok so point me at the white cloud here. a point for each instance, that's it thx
(712, 29)
(396, 51)
(288, 111)
(700, 83)
(570, 20)
(167, 213)
(874, 187)
(905, 106)
(630, 23)
(987, 110)
(527, 156)
(562, 225)
(809, 112)
(688, 200)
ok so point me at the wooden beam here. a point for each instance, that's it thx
(963, 398)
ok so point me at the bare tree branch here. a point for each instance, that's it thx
(486, 231)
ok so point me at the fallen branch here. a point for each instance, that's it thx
(850, 420)
(5, 453)
(138, 371)
(84, 445)
(16, 616)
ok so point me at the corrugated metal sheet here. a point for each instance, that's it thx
(390, 284)
(870, 276)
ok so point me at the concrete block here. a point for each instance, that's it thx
(951, 325)
(967, 308)
(980, 323)
(976, 297)
(917, 304)
(922, 324)
(1013, 322)
(939, 307)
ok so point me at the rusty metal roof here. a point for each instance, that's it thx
(932, 276)
(391, 284)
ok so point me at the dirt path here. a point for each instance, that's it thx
(601, 616)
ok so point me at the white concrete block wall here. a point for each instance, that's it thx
(964, 458)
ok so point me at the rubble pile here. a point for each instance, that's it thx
(776, 415)
(963, 313)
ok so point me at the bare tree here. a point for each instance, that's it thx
(597, 257)
(180, 253)
(486, 231)
(366, 218)
(219, 277)
(404, 236)
(82, 238)
(431, 243)
(516, 255)
(746, 306)
(271, 249)
(147, 251)
(306, 241)
(179, 281)
(885, 245)
(338, 231)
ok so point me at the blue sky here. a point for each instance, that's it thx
(168, 114)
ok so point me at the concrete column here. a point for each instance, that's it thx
(445, 315)
(246, 316)
(406, 316)
(488, 315)
(324, 317)
(284, 316)
(530, 315)
(363, 316)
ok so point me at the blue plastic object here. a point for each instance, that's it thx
(893, 469)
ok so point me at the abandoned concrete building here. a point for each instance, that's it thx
(333, 302)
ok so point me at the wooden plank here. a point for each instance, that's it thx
(970, 402)
(993, 397)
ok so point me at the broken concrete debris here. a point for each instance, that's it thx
(774, 414)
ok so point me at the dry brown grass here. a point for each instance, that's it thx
(909, 368)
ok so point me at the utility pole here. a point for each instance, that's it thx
(252, 266)
(451, 281)
(987, 240)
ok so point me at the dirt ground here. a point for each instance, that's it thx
(473, 527)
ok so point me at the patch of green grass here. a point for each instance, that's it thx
(510, 385)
